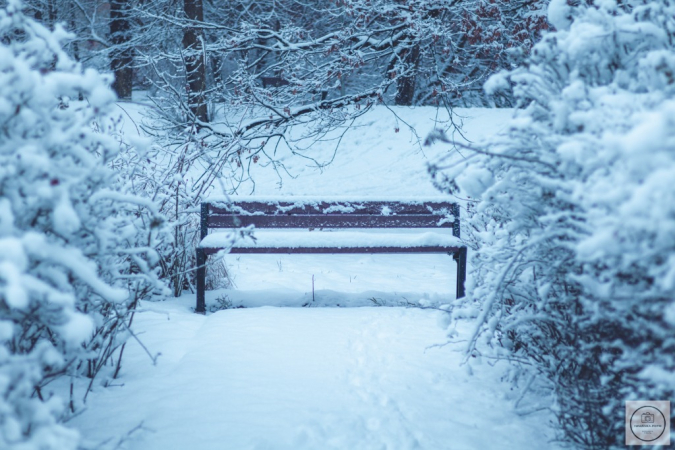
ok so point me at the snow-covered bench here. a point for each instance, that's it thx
(326, 221)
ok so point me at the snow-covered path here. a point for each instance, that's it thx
(359, 378)
(305, 378)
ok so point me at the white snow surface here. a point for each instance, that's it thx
(306, 378)
(333, 239)
(373, 160)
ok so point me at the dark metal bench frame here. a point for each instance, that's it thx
(329, 214)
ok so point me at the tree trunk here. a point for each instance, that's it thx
(51, 14)
(121, 56)
(194, 61)
(405, 84)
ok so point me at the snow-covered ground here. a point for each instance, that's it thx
(382, 154)
(273, 375)
(305, 378)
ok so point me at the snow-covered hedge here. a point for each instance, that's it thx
(574, 227)
(75, 250)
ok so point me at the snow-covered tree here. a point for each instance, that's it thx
(574, 220)
(76, 251)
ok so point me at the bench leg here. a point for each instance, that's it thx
(460, 257)
(201, 282)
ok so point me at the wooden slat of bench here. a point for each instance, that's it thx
(328, 250)
(329, 221)
(327, 207)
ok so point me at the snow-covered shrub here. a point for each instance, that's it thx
(76, 252)
(168, 174)
(574, 224)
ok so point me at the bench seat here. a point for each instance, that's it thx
(333, 242)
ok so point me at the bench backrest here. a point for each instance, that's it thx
(331, 214)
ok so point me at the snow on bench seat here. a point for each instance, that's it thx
(332, 242)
